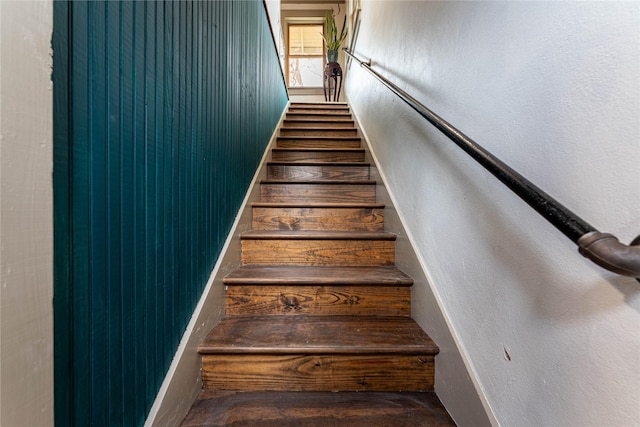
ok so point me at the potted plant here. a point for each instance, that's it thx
(332, 38)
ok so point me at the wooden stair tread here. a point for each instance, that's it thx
(320, 149)
(319, 164)
(318, 216)
(316, 275)
(317, 235)
(318, 114)
(294, 409)
(335, 182)
(319, 125)
(310, 141)
(312, 110)
(312, 170)
(291, 117)
(287, 131)
(330, 109)
(318, 104)
(334, 111)
(274, 334)
(338, 137)
(318, 191)
(318, 121)
(316, 205)
(321, 103)
(337, 153)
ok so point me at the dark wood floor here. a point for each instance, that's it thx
(313, 409)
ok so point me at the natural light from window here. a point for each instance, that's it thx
(306, 49)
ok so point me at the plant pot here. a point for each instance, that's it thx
(332, 56)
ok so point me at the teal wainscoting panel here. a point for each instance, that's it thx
(163, 110)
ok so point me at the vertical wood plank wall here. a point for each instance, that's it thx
(163, 110)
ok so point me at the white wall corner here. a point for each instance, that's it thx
(26, 214)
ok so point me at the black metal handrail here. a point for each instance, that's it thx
(602, 248)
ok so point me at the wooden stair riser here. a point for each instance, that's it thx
(318, 300)
(318, 172)
(317, 107)
(318, 131)
(320, 193)
(330, 372)
(317, 142)
(293, 155)
(318, 116)
(318, 252)
(301, 110)
(318, 218)
(318, 123)
(320, 105)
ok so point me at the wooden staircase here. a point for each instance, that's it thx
(318, 329)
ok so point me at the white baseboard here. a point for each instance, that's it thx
(456, 382)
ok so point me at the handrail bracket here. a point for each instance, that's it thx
(606, 250)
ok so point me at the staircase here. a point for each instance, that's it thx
(318, 329)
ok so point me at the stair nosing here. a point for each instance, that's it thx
(346, 116)
(349, 128)
(313, 276)
(333, 120)
(323, 164)
(317, 205)
(319, 105)
(315, 350)
(320, 149)
(316, 235)
(319, 182)
(322, 137)
(319, 114)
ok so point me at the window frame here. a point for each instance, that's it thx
(288, 56)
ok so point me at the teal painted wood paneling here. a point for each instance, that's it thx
(162, 112)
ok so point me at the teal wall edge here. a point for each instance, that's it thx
(162, 113)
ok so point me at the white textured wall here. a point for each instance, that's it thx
(26, 214)
(554, 90)
(273, 11)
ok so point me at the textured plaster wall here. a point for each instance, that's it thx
(26, 218)
(553, 89)
(273, 11)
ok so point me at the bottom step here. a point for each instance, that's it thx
(363, 409)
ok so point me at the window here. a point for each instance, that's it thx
(305, 56)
